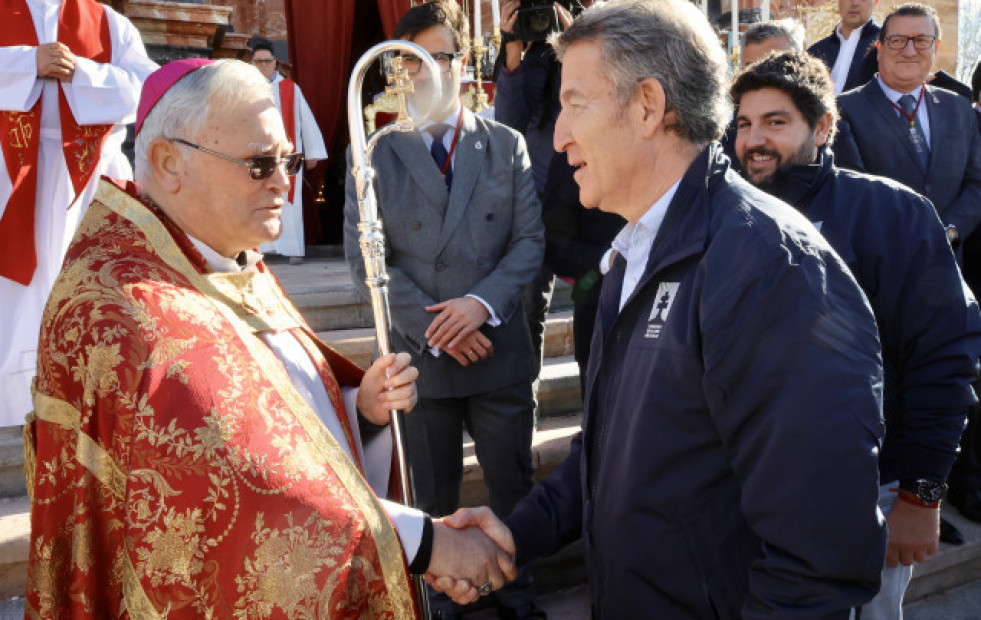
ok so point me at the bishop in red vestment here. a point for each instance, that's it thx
(191, 453)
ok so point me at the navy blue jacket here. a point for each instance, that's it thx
(726, 466)
(865, 62)
(929, 326)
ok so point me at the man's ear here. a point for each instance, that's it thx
(649, 97)
(166, 163)
(821, 129)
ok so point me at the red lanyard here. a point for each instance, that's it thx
(912, 117)
(456, 137)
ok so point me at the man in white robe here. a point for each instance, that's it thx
(306, 138)
(97, 93)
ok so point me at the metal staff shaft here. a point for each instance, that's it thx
(372, 238)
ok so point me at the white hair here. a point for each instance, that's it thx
(185, 107)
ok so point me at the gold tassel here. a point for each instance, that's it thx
(29, 456)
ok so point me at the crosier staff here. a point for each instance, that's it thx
(372, 239)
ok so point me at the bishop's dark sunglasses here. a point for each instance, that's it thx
(260, 167)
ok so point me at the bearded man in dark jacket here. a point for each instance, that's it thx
(894, 243)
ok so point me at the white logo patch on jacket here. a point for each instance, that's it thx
(663, 300)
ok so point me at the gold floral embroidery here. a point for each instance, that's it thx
(191, 484)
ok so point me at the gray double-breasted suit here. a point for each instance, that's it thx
(484, 237)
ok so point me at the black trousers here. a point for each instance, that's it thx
(501, 424)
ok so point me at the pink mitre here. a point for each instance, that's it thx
(160, 82)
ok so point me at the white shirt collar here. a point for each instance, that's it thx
(856, 33)
(222, 264)
(894, 95)
(647, 226)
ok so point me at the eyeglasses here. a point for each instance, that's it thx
(413, 63)
(260, 167)
(921, 42)
(262, 61)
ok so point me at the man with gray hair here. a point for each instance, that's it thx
(197, 451)
(717, 475)
(779, 35)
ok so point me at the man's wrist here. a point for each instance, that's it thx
(420, 563)
(922, 491)
(910, 498)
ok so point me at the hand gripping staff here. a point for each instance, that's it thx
(372, 239)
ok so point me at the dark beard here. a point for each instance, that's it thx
(806, 154)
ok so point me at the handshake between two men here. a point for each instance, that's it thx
(472, 555)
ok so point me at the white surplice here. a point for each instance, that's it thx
(310, 142)
(98, 94)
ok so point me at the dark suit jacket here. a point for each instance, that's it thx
(942, 79)
(484, 237)
(865, 62)
(873, 138)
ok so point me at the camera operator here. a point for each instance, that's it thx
(527, 99)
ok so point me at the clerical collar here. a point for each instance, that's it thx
(245, 261)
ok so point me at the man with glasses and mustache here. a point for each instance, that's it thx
(464, 235)
(195, 451)
(303, 132)
(894, 244)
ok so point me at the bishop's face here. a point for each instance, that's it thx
(438, 40)
(219, 202)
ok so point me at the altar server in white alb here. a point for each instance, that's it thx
(70, 78)
(302, 131)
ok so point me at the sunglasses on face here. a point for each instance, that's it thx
(413, 63)
(260, 167)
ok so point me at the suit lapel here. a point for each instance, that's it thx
(883, 107)
(410, 148)
(471, 148)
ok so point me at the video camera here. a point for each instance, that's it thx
(536, 19)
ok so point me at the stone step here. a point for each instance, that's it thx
(358, 344)
(558, 388)
(322, 289)
(12, 462)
